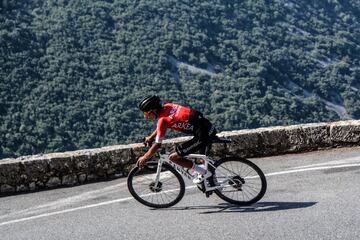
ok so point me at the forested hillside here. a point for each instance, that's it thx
(73, 71)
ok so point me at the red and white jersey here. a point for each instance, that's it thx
(175, 117)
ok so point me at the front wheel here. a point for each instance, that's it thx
(166, 192)
(241, 181)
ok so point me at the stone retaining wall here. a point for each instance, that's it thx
(43, 171)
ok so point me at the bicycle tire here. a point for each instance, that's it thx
(153, 193)
(235, 182)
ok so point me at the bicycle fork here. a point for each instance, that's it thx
(158, 170)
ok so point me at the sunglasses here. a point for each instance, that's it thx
(146, 114)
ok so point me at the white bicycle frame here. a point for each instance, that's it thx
(183, 171)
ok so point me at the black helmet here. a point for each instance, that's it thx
(150, 103)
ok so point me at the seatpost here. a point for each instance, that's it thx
(208, 149)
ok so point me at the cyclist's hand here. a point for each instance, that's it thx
(141, 162)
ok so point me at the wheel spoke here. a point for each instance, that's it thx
(241, 181)
(168, 191)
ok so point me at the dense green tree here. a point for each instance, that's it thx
(73, 71)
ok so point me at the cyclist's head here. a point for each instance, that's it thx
(150, 104)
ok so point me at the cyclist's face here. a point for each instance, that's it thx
(150, 115)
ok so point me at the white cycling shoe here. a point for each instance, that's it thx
(200, 178)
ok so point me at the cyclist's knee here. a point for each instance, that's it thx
(174, 156)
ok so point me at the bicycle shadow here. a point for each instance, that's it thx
(257, 207)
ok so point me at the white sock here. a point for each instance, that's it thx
(199, 169)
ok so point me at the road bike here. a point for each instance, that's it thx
(159, 184)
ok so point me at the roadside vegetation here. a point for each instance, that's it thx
(73, 71)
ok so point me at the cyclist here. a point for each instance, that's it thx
(178, 118)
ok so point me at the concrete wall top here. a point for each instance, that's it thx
(51, 170)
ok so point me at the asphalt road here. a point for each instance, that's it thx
(310, 196)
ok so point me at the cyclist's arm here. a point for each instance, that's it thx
(159, 133)
(153, 135)
(152, 151)
(150, 139)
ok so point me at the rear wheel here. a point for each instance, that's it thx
(241, 181)
(168, 191)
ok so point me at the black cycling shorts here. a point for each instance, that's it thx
(204, 132)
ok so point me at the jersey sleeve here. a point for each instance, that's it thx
(162, 125)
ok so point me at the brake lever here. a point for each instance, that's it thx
(148, 144)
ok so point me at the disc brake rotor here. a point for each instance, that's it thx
(237, 182)
(154, 188)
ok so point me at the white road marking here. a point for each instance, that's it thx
(342, 161)
(312, 169)
(66, 201)
(190, 187)
(65, 211)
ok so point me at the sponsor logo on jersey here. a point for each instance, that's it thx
(183, 126)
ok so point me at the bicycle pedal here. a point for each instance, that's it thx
(201, 187)
(207, 194)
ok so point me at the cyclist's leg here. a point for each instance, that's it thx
(203, 133)
(184, 149)
(176, 158)
(193, 145)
